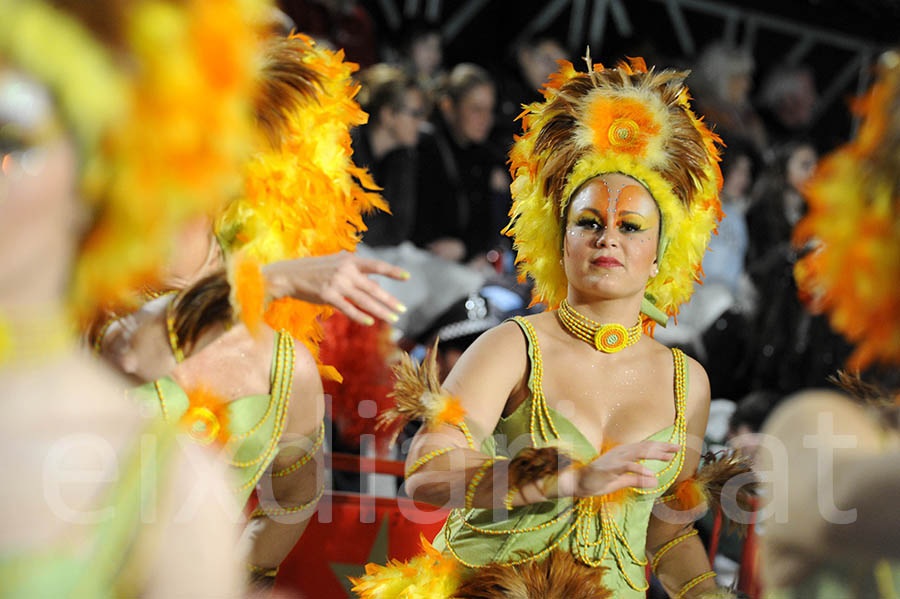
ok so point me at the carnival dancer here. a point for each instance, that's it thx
(615, 191)
(220, 353)
(105, 153)
(837, 533)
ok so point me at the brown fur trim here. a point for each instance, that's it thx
(412, 381)
(560, 576)
(532, 464)
(717, 470)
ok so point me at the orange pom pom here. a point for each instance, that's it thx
(452, 412)
(689, 494)
(206, 419)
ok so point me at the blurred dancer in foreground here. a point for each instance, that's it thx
(837, 531)
(220, 354)
(105, 151)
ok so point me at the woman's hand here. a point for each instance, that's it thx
(616, 469)
(338, 280)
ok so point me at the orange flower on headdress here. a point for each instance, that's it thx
(621, 124)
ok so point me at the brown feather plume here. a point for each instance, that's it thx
(412, 382)
(871, 396)
(559, 576)
(286, 84)
(706, 487)
(686, 148)
(533, 464)
(718, 469)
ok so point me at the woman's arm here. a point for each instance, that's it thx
(490, 371)
(138, 344)
(677, 555)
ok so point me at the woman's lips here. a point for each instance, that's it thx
(606, 262)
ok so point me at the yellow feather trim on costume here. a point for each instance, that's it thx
(430, 575)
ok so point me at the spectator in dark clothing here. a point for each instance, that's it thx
(791, 348)
(463, 186)
(519, 83)
(722, 82)
(778, 205)
(386, 146)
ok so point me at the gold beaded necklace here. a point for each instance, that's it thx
(608, 338)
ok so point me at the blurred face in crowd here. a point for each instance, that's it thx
(797, 104)
(738, 179)
(427, 54)
(539, 63)
(800, 166)
(473, 116)
(410, 117)
(403, 122)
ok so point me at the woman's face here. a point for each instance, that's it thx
(475, 114)
(611, 237)
(800, 166)
(38, 175)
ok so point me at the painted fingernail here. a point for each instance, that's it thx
(369, 321)
(394, 318)
(400, 308)
(406, 275)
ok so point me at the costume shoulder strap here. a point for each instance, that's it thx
(681, 384)
(282, 358)
(541, 421)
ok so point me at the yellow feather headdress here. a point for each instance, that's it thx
(303, 195)
(622, 120)
(854, 218)
(163, 124)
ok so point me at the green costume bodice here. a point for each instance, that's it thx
(598, 531)
(253, 424)
(100, 566)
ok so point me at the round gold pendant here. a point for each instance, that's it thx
(611, 338)
(203, 425)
